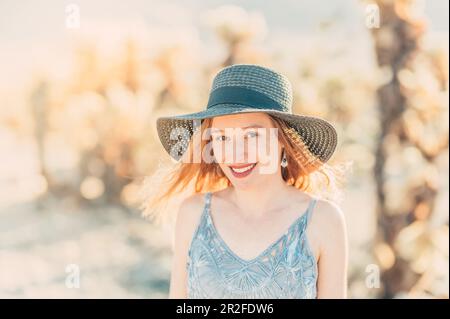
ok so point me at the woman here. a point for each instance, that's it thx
(254, 225)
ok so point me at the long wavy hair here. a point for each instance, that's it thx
(162, 192)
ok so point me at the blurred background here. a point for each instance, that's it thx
(82, 83)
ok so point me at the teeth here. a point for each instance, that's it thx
(243, 169)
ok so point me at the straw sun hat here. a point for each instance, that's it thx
(243, 88)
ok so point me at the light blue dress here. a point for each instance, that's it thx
(286, 269)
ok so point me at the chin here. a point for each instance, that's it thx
(251, 182)
(248, 184)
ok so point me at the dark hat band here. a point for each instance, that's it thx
(244, 96)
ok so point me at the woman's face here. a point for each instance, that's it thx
(246, 148)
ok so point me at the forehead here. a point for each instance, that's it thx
(242, 120)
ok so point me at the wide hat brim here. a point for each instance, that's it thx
(319, 136)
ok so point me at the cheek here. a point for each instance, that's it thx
(224, 152)
(268, 150)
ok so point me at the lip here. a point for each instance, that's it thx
(242, 174)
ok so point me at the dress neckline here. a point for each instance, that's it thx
(266, 250)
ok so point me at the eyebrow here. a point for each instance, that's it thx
(245, 127)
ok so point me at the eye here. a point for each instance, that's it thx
(251, 134)
(221, 138)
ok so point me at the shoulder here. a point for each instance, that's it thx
(328, 213)
(188, 215)
(190, 205)
(328, 220)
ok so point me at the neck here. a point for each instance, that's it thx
(256, 201)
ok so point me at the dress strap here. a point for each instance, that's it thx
(208, 200)
(311, 206)
(205, 213)
(207, 205)
(201, 224)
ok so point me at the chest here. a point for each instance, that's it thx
(285, 269)
(247, 239)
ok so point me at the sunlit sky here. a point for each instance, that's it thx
(24, 20)
(31, 31)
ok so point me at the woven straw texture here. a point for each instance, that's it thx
(318, 135)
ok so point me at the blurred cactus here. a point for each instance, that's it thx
(237, 28)
(40, 111)
(94, 127)
(413, 134)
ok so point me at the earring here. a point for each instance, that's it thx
(284, 162)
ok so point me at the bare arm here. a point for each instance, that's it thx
(186, 223)
(333, 260)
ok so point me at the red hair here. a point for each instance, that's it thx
(305, 172)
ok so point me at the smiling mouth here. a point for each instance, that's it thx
(242, 170)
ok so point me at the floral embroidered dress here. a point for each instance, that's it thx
(286, 269)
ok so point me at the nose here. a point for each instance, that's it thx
(246, 151)
(239, 150)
